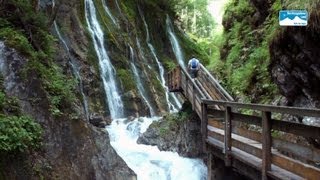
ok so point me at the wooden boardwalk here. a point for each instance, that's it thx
(261, 153)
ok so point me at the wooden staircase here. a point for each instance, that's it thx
(260, 153)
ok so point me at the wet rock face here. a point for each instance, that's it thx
(262, 7)
(72, 149)
(295, 67)
(185, 139)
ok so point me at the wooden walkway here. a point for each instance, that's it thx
(261, 153)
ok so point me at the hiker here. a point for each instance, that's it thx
(193, 66)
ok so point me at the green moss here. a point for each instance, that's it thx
(169, 64)
(126, 78)
(129, 7)
(172, 122)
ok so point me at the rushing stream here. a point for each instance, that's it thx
(147, 161)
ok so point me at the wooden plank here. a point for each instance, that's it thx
(301, 169)
(269, 108)
(254, 162)
(304, 153)
(266, 144)
(296, 128)
(228, 136)
(285, 126)
(255, 148)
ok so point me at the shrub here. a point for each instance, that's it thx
(19, 133)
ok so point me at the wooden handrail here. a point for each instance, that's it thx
(216, 84)
(211, 102)
(278, 109)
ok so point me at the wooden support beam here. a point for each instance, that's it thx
(209, 166)
(266, 144)
(193, 97)
(227, 144)
(204, 124)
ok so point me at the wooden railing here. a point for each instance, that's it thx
(267, 125)
(220, 119)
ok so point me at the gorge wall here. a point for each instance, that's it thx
(287, 56)
(49, 64)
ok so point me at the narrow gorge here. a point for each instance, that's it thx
(85, 90)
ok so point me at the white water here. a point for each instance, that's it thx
(107, 70)
(107, 10)
(175, 44)
(171, 106)
(140, 86)
(147, 161)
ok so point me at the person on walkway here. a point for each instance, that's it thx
(193, 67)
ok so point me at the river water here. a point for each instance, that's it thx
(148, 162)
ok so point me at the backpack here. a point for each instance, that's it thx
(194, 64)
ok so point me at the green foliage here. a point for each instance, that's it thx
(126, 78)
(195, 17)
(25, 30)
(244, 70)
(172, 121)
(59, 87)
(169, 64)
(18, 134)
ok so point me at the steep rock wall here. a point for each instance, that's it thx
(71, 148)
(295, 67)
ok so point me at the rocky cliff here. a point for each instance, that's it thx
(288, 56)
(49, 64)
(179, 133)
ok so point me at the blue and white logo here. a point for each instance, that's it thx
(293, 18)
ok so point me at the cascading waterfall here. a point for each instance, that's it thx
(172, 108)
(107, 10)
(142, 53)
(74, 66)
(171, 105)
(175, 44)
(140, 86)
(106, 68)
(147, 161)
(117, 4)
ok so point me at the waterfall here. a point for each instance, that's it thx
(107, 70)
(140, 87)
(117, 4)
(142, 53)
(175, 44)
(148, 162)
(75, 70)
(106, 9)
(171, 106)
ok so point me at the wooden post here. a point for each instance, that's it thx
(266, 144)
(227, 136)
(209, 166)
(193, 97)
(187, 81)
(204, 124)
